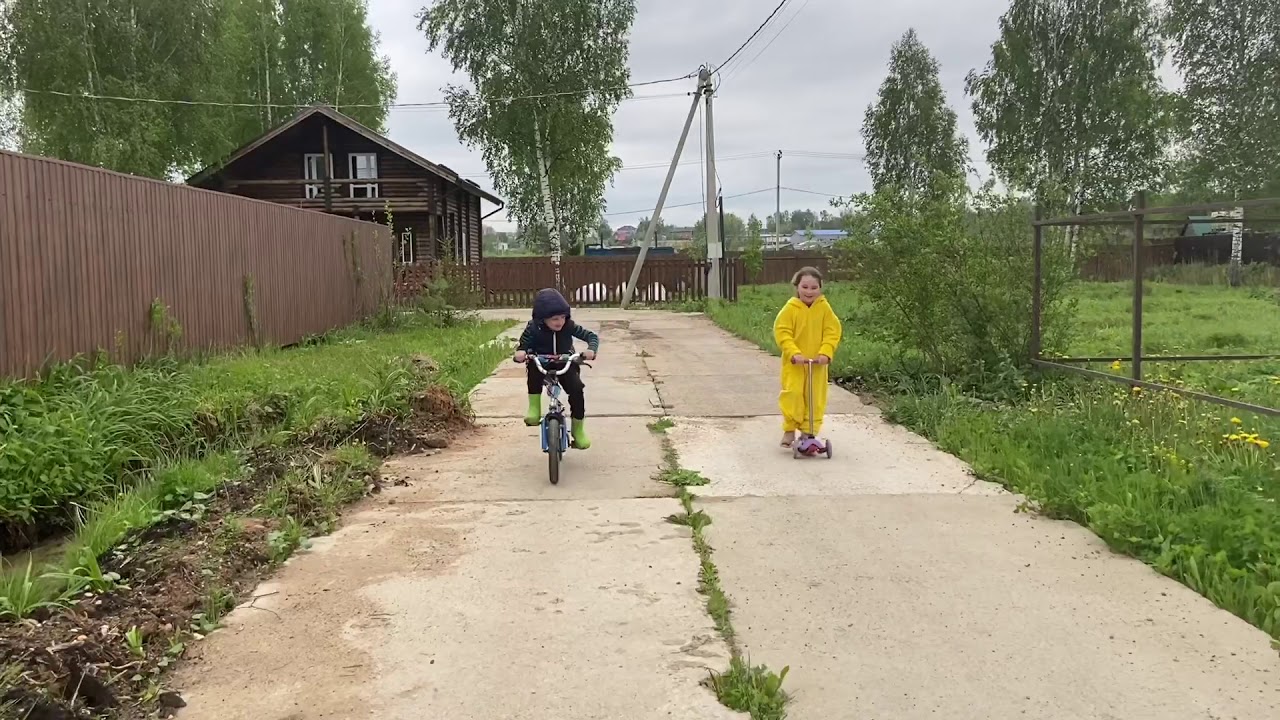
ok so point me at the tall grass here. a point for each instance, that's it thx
(83, 434)
(1188, 487)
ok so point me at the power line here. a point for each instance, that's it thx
(824, 154)
(649, 210)
(295, 106)
(688, 204)
(810, 192)
(767, 20)
(727, 158)
(742, 67)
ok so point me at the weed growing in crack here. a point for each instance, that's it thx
(743, 687)
(681, 477)
(753, 689)
(661, 425)
(284, 542)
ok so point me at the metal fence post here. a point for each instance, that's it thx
(1037, 284)
(1140, 202)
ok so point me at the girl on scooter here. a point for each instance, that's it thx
(805, 329)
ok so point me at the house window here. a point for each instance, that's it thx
(363, 166)
(312, 170)
(406, 247)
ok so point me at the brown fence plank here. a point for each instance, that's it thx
(513, 282)
(85, 251)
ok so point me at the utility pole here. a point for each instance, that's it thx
(720, 204)
(662, 197)
(714, 253)
(777, 212)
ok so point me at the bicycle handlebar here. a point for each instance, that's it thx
(568, 360)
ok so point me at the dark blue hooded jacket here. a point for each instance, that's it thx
(539, 339)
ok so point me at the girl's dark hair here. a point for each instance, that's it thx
(804, 272)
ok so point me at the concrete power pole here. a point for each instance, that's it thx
(662, 199)
(714, 251)
(777, 212)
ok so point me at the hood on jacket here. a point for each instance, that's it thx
(819, 302)
(548, 303)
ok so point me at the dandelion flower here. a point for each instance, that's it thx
(1236, 421)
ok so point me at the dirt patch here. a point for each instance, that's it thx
(109, 652)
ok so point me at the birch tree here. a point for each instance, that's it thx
(910, 132)
(55, 53)
(1228, 52)
(1070, 105)
(546, 76)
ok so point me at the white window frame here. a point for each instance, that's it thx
(311, 171)
(406, 247)
(367, 190)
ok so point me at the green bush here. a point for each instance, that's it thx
(950, 279)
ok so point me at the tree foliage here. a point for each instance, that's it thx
(969, 320)
(753, 254)
(1070, 104)
(910, 132)
(546, 77)
(286, 53)
(1229, 56)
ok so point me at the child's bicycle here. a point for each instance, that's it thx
(555, 434)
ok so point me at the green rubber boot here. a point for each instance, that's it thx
(579, 433)
(534, 416)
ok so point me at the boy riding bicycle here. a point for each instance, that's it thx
(551, 332)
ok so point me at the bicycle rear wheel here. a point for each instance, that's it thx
(553, 450)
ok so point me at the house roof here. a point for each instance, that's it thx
(820, 233)
(355, 126)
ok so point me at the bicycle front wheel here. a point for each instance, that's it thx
(553, 450)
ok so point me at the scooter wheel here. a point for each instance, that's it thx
(795, 452)
(828, 449)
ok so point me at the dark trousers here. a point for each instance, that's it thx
(570, 382)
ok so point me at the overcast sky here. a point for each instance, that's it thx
(806, 91)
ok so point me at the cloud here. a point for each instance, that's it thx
(804, 89)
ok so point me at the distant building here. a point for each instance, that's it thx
(816, 239)
(624, 236)
(773, 241)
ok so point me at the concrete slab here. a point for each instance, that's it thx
(621, 463)
(576, 610)
(743, 457)
(573, 610)
(936, 606)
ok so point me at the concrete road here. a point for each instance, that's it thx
(894, 584)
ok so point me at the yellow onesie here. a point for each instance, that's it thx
(808, 330)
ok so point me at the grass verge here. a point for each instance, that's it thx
(753, 689)
(1191, 489)
(290, 438)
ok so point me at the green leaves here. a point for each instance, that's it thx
(1228, 54)
(282, 53)
(910, 132)
(566, 65)
(1070, 104)
(969, 321)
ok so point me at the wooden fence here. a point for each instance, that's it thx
(780, 267)
(95, 260)
(512, 282)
